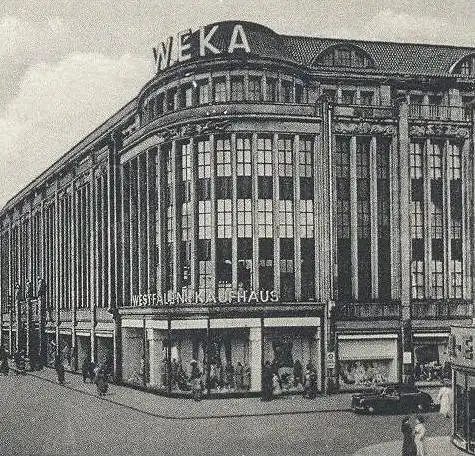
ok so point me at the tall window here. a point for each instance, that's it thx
(286, 92)
(254, 88)
(271, 91)
(204, 170)
(264, 218)
(455, 190)
(363, 218)
(384, 248)
(237, 88)
(219, 90)
(264, 169)
(342, 174)
(203, 92)
(186, 214)
(286, 219)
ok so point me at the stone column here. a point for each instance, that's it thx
(276, 211)
(255, 358)
(353, 219)
(405, 239)
(373, 201)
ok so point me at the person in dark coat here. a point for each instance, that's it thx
(59, 368)
(4, 367)
(92, 371)
(267, 377)
(101, 381)
(408, 445)
(85, 369)
(298, 373)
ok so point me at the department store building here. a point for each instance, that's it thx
(298, 200)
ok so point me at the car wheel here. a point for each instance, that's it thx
(370, 409)
(421, 407)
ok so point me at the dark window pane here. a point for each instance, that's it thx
(286, 188)
(287, 249)
(244, 248)
(266, 249)
(204, 249)
(244, 187)
(437, 249)
(456, 247)
(306, 188)
(224, 187)
(203, 189)
(418, 249)
(417, 190)
(264, 187)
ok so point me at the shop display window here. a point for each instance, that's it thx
(293, 355)
(365, 373)
(431, 363)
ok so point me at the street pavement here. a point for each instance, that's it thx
(40, 417)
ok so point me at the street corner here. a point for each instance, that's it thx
(436, 446)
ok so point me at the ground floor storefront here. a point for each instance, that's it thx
(230, 353)
(365, 360)
(431, 358)
(463, 382)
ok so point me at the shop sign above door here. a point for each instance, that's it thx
(184, 47)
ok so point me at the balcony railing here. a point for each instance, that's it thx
(364, 112)
(439, 112)
(368, 310)
(448, 309)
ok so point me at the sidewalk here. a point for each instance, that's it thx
(187, 409)
(436, 446)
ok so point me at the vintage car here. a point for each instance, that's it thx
(392, 398)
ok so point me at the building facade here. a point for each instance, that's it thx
(461, 347)
(297, 200)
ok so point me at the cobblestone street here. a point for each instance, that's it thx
(40, 417)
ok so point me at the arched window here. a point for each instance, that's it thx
(344, 56)
(465, 66)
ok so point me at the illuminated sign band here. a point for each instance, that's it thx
(182, 47)
(240, 296)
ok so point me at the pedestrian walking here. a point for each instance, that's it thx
(195, 379)
(419, 436)
(59, 368)
(445, 400)
(267, 382)
(4, 367)
(85, 369)
(408, 445)
(101, 381)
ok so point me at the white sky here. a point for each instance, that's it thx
(65, 67)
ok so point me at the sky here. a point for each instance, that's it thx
(66, 66)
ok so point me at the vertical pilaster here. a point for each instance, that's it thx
(151, 221)
(161, 216)
(468, 195)
(353, 219)
(74, 274)
(212, 284)
(404, 205)
(276, 211)
(394, 178)
(255, 227)
(234, 230)
(194, 226)
(446, 216)
(176, 214)
(297, 224)
(318, 218)
(373, 200)
(56, 266)
(427, 219)
(255, 346)
(91, 229)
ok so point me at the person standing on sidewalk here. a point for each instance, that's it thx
(267, 382)
(195, 378)
(445, 400)
(420, 436)
(408, 445)
(59, 368)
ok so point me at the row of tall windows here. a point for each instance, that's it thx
(220, 89)
(436, 202)
(213, 211)
(139, 203)
(353, 194)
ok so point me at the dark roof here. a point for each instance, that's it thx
(425, 59)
